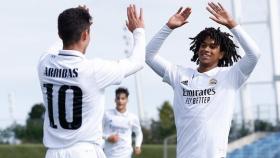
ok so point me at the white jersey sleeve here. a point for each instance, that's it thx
(136, 128)
(241, 70)
(137, 59)
(160, 65)
(105, 131)
(107, 73)
(112, 72)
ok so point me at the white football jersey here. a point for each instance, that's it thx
(203, 102)
(73, 92)
(122, 124)
(203, 107)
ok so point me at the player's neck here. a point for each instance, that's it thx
(204, 68)
(75, 47)
(122, 110)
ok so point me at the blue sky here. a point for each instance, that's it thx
(29, 27)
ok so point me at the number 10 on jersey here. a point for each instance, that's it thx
(61, 105)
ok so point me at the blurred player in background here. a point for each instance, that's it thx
(119, 124)
(204, 97)
(73, 86)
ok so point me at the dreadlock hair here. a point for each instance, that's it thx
(223, 39)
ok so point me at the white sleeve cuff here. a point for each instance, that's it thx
(139, 30)
(236, 29)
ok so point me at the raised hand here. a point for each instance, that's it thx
(134, 21)
(221, 15)
(179, 19)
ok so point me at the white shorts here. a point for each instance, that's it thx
(79, 150)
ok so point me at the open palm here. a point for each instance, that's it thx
(220, 15)
(179, 19)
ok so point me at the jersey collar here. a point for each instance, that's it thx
(72, 53)
(120, 113)
(209, 73)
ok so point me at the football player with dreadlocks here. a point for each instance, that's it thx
(204, 97)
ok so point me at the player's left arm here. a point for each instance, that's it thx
(252, 52)
(136, 128)
(112, 72)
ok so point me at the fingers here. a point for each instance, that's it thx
(215, 7)
(135, 11)
(134, 19)
(128, 14)
(141, 14)
(215, 19)
(187, 12)
(126, 23)
(132, 12)
(179, 10)
(221, 6)
(212, 11)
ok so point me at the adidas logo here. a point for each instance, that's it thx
(185, 82)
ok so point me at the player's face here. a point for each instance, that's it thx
(121, 101)
(209, 53)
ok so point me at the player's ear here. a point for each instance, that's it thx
(221, 55)
(84, 35)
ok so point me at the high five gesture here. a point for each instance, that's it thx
(134, 21)
(221, 15)
(179, 19)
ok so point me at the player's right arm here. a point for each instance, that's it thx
(156, 62)
(241, 70)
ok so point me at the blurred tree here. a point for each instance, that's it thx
(265, 126)
(32, 132)
(37, 112)
(147, 135)
(162, 128)
(167, 121)
(34, 124)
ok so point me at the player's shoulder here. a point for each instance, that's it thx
(133, 116)
(109, 112)
(185, 70)
(225, 70)
(45, 56)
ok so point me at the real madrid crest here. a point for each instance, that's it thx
(213, 82)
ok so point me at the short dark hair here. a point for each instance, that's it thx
(223, 39)
(71, 23)
(121, 90)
